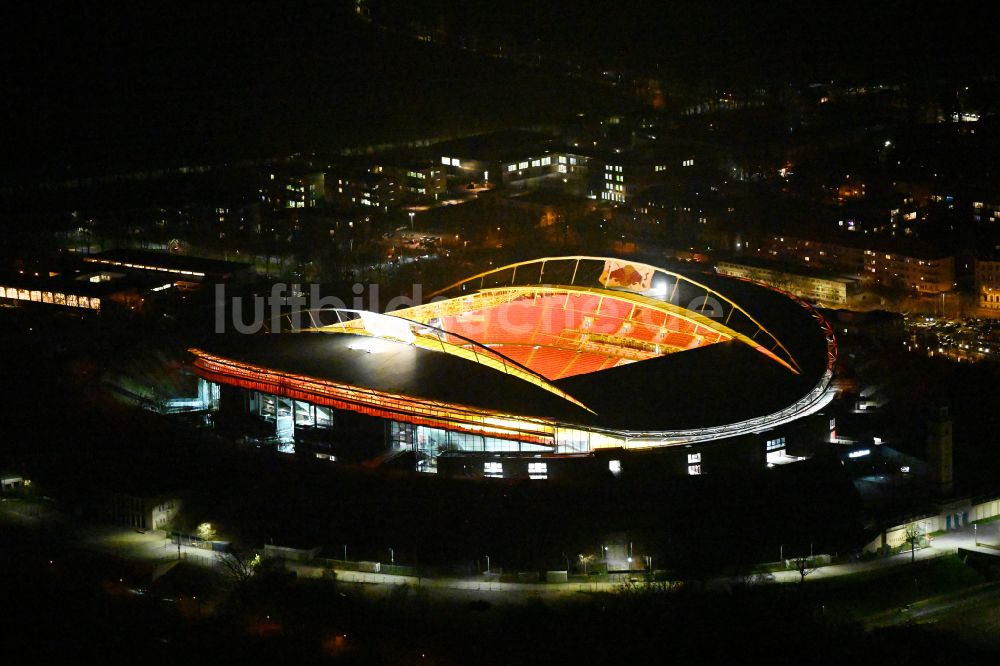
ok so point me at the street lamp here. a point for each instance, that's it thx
(412, 214)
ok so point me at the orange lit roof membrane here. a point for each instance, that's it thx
(632, 301)
(563, 334)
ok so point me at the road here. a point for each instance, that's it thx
(150, 546)
(835, 570)
(982, 535)
(985, 538)
(933, 609)
(155, 547)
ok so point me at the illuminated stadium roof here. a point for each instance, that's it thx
(647, 356)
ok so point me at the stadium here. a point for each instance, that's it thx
(514, 369)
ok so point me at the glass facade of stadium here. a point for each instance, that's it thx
(293, 426)
(288, 421)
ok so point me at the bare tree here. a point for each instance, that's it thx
(805, 565)
(913, 536)
(658, 588)
(752, 579)
(239, 567)
(585, 561)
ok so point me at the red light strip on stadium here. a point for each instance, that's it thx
(374, 403)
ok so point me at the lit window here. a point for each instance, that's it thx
(694, 458)
(775, 444)
(493, 469)
(538, 470)
(694, 470)
(615, 467)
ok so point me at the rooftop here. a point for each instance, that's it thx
(168, 262)
(795, 269)
(501, 146)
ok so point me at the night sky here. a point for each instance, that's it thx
(113, 86)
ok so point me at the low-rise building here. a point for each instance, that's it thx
(986, 211)
(293, 188)
(366, 188)
(85, 292)
(922, 270)
(988, 283)
(814, 286)
(12, 482)
(566, 170)
(516, 160)
(147, 512)
(182, 271)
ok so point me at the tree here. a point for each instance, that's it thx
(585, 561)
(751, 578)
(804, 565)
(913, 536)
(240, 567)
(206, 532)
(659, 588)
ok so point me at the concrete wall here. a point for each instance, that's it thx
(952, 515)
(294, 554)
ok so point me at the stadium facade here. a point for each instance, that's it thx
(525, 365)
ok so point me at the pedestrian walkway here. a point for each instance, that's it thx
(155, 545)
(849, 568)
